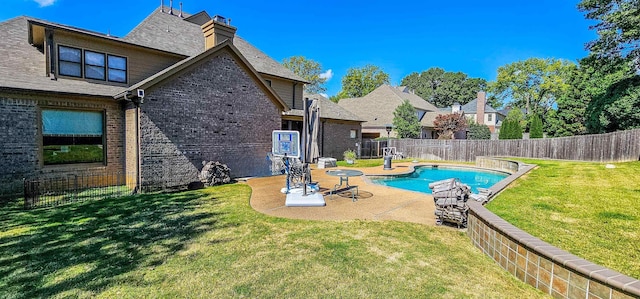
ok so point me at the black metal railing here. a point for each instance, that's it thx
(77, 187)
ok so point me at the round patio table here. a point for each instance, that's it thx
(344, 175)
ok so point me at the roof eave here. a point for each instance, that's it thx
(186, 63)
(286, 78)
(18, 90)
(31, 21)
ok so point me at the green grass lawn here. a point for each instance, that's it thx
(210, 243)
(581, 207)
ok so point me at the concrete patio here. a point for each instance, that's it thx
(374, 202)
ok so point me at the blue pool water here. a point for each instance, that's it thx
(420, 179)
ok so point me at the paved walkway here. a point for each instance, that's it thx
(375, 202)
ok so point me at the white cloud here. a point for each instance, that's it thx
(327, 75)
(324, 95)
(44, 3)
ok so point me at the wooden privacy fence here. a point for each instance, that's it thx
(372, 148)
(610, 147)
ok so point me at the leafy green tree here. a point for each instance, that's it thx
(505, 129)
(617, 28)
(535, 129)
(405, 121)
(510, 129)
(478, 131)
(448, 124)
(596, 99)
(309, 70)
(359, 82)
(442, 88)
(512, 125)
(568, 118)
(616, 109)
(533, 84)
(518, 116)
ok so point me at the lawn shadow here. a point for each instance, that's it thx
(86, 246)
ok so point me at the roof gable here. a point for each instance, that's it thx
(172, 33)
(188, 63)
(380, 104)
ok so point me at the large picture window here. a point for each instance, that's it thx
(70, 136)
(70, 61)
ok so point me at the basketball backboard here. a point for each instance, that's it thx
(285, 143)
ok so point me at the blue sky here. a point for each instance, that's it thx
(401, 37)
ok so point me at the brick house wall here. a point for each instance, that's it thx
(19, 146)
(334, 138)
(213, 111)
(21, 135)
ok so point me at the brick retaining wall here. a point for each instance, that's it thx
(552, 270)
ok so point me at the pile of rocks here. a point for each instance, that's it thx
(450, 197)
(214, 173)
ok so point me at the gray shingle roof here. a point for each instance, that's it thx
(328, 110)
(24, 65)
(193, 60)
(172, 33)
(472, 107)
(378, 106)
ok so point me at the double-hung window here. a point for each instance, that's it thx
(72, 136)
(117, 69)
(70, 61)
(94, 65)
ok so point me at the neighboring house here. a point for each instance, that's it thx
(490, 116)
(479, 111)
(340, 129)
(177, 90)
(377, 108)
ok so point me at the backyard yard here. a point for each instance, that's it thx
(582, 207)
(210, 243)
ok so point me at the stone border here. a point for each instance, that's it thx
(553, 271)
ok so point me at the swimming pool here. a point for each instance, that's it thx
(423, 175)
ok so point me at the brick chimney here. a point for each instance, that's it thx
(481, 101)
(217, 30)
